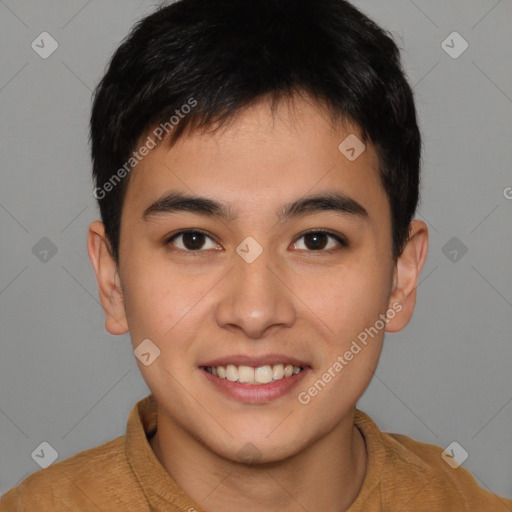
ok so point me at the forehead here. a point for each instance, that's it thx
(262, 158)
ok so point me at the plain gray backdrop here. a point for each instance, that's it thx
(446, 378)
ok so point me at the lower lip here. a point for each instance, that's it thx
(255, 393)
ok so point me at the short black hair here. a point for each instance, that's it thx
(222, 56)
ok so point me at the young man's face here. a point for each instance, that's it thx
(212, 300)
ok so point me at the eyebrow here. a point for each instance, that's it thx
(334, 202)
(178, 202)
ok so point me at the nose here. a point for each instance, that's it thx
(255, 299)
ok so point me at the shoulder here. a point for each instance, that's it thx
(414, 476)
(85, 481)
(436, 482)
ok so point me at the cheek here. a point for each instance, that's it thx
(155, 299)
(348, 299)
(167, 306)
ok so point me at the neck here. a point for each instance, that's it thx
(328, 475)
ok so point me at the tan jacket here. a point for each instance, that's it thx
(124, 475)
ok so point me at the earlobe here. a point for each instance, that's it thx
(406, 277)
(107, 275)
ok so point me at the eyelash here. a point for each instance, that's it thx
(337, 237)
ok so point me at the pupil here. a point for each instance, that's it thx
(318, 241)
(193, 240)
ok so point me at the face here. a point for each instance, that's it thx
(248, 250)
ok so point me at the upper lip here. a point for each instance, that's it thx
(255, 361)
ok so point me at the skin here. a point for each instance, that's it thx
(292, 300)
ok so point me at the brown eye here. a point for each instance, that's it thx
(192, 241)
(316, 241)
(319, 241)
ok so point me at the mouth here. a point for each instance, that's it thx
(255, 380)
(254, 376)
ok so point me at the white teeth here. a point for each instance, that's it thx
(278, 371)
(263, 374)
(260, 375)
(231, 373)
(245, 374)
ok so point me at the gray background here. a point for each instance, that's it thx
(446, 378)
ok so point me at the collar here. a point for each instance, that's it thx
(161, 490)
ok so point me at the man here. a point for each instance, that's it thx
(256, 165)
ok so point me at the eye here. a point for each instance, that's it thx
(192, 241)
(319, 240)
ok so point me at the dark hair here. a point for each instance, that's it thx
(223, 55)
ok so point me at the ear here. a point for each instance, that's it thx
(107, 275)
(406, 275)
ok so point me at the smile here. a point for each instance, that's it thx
(264, 374)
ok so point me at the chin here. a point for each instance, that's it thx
(253, 447)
